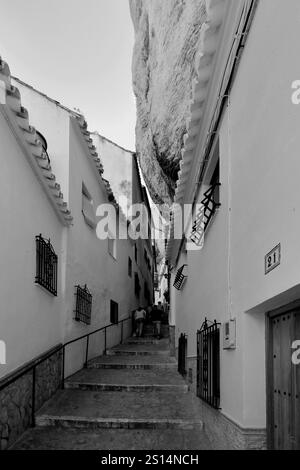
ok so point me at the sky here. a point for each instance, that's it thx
(78, 53)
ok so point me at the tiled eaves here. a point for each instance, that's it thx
(98, 166)
(209, 41)
(18, 119)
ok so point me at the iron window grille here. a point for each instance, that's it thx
(209, 204)
(83, 309)
(180, 278)
(114, 312)
(208, 363)
(182, 354)
(46, 265)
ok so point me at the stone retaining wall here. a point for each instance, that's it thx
(16, 398)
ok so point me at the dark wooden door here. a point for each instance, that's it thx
(285, 383)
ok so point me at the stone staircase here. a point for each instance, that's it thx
(132, 398)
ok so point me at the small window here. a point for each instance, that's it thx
(114, 312)
(88, 208)
(83, 309)
(46, 265)
(129, 267)
(112, 246)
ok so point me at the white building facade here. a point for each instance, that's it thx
(60, 278)
(240, 163)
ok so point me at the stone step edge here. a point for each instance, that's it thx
(129, 388)
(121, 352)
(117, 423)
(116, 365)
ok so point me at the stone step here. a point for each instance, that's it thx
(133, 362)
(149, 340)
(51, 438)
(160, 349)
(119, 410)
(121, 380)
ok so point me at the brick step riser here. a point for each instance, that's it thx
(137, 353)
(126, 388)
(133, 366)
(65, 422)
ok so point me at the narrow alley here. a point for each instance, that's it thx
(131, 398)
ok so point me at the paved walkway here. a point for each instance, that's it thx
(132, 398)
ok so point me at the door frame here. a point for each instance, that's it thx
(269, 367)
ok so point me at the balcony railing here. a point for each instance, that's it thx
(46, 265)
(180, 278)
(209, 204)
(83, 309)
(208, 363)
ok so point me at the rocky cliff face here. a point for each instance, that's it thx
(167, 34)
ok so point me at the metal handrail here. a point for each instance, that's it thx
(32, 367)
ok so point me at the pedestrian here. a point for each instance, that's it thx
(156, 319)
(139, 317)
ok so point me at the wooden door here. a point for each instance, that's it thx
(285, 381)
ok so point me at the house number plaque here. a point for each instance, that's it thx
(273, 259)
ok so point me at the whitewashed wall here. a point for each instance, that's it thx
(259, 145)
(30, 321)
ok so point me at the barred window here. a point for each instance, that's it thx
(46, 265)
(83, 309)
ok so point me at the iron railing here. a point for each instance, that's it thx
(46, 265)
(83, 309)
(179, 278)
(62, 348)
(208, 363)
(182, 354)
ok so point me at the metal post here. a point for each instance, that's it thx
(105, 341)
(87, 351)
(121, 331)
(33, 399)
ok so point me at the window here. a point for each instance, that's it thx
(46, 265)
(83, 309)
(112, 246)
(129, 267)
(137, 287)
(208, 363)
(135, 253)
(88, 208)
(114, 312)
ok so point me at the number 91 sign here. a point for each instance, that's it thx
(273, 259)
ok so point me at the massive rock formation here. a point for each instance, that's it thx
(167, 36)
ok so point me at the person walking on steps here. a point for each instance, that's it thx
(139, 317)
(156, 319)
